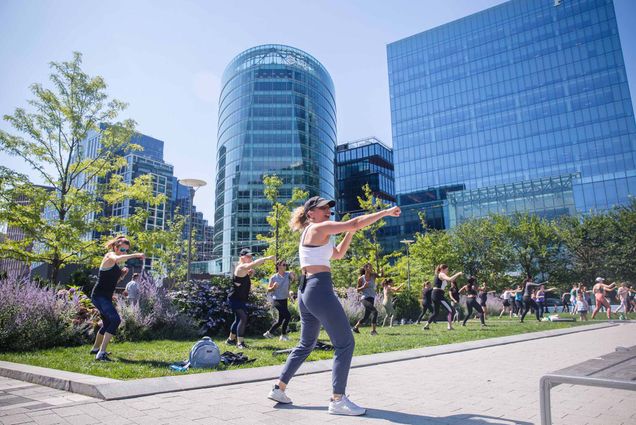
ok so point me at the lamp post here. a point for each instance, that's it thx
(408, 243)
(193, 184)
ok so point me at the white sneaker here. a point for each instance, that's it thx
(344, 406)
(268, 335)
(284, 338)
(279, 395)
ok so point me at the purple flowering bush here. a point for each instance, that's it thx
(34, 317)
(206, 303)
(154, 316)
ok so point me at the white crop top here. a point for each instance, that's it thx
(314, 255)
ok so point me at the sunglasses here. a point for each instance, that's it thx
(283, 265)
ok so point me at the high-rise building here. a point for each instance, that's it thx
(277, 115)
(364, 161)
(521, 107)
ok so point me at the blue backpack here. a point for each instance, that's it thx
(204, 354)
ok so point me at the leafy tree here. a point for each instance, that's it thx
(283, 241)
(622, 243)
(534, 243)
(482, 250)
(55, 219)
(587, 245)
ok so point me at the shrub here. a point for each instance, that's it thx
(407, 306)
(34, 317)
(206, 303)
(155, 316)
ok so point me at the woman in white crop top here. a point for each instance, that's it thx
(317, 303)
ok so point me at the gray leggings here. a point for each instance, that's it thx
(319, 305)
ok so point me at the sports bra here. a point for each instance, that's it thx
(310, 255)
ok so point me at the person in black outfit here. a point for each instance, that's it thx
(239, 293)
(438, 298)
(453, 294)
(471, 301)
(528, 303)
(110, 273)
(427, 303)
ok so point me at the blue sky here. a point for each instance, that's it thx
(165, 58)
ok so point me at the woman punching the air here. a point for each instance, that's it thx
(279, 288)
(599, 289)
(472, 302)
(110, 273)
(437, 296)
(366, 286)
(387, 301)
(239, 293)
(317, 302)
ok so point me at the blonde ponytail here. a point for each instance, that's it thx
(116, 241)
(298, 219)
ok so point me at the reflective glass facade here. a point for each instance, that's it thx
(366, 161)
(277, 115)
(525, 91)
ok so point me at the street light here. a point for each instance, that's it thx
(408, 243)
(193, 184)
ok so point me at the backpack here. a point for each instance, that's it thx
(204, 354)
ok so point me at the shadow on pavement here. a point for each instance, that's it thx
(411, 419)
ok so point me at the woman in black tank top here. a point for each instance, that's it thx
(110, 273)
(471, 301)
(438, 298)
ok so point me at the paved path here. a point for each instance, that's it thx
(498, 385)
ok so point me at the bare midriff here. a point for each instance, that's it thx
(316, 269)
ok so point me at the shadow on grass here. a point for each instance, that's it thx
(408, 418)
(151, 363)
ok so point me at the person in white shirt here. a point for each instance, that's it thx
(132, 290)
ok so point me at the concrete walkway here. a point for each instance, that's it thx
(497, 385)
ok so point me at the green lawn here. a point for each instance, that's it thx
(152, 359)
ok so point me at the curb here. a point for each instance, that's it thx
(112, 389)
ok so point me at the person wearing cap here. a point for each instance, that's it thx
(599, 289)
(239, 292)
(317, 302)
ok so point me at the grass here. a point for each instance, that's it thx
(133, 360)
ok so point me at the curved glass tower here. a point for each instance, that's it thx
(277, 115)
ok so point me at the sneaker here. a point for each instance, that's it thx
(373, 333)
(268, 335)
(284, 338)
(103, 358)
(230, 341)
(355, 330)
(344, 406)
(425, 328)
(450, 328)
(279, 396)
(96, 350)
(241, 346)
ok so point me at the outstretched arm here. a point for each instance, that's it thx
(341, 250)
(246, 266)
(356, 223)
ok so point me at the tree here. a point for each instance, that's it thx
(587, 245)
(273, 184)
(534, 242)
(622, 243)
(56, 219)
(482, 250)
(283, 241)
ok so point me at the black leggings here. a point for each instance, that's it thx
(283, 316)
(425, 309)
(440, 300)
(528, 303)
(542, 309)
(240, 322)
(470, 304)
(369, 310)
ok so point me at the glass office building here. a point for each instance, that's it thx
(522, 107)
(365, 161)
(277, 115)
